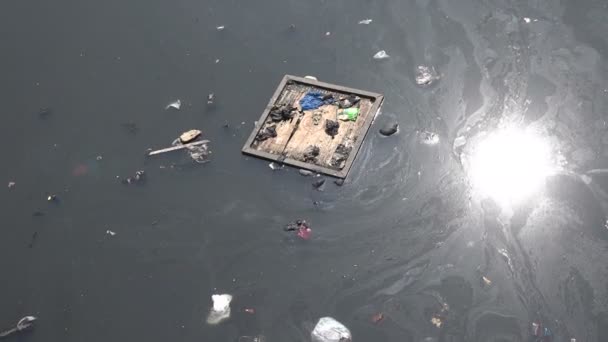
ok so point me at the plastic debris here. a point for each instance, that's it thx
(315, 99)
(111, 233)
(274, 166)
(52, 198)
(381, 55)
(429, 138)
(389, 129)
(22, 325)
(175, 105)
(377, 317)
(282, 113)
(138, 178)
(266, 133)
(540, 332)
(220, 28)
(365, 22)
(460, 141)
(436, 320)
(426, 75)
(189, 136)
(98, 158)
(527, 20)
(330, 330)
(197, 150)
(249, 310)
(311, 153)
(349, 114)
(311, 77)
(258, 338)
(486, 280)
(331, 127)
(318, 184)
(301, 227)
(210, 98)
(327, 33)
(348, 101)
(305, 173)
(221, 308)
(11, 185)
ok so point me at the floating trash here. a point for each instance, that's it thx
(365, 22)
(381, 55)
(175, 105)
(389, 129)
(426, 75)
(377, 317)
(330, 330)
(220, 28)
(11, 185)
(111, 233)
(221, 308)
(429, 138)
(436, 321)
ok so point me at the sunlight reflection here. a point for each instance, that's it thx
(510, 164)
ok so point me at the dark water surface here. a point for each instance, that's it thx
(404, 236)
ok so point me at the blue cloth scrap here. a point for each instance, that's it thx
(314, 100)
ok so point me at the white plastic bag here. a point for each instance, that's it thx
(381, 55)
(330, 330)
(221, 308)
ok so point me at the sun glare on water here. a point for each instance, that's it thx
(510, 165)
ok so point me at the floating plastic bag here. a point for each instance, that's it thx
(221, 308)
(381, 55)
(330, 330)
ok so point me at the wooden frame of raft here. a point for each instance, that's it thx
(296, 135)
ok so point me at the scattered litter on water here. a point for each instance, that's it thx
(318, 184)
(381, 55)
(98, 158)
(221, 308)
(301, 228)
(330, 330)
(429, 138)
(11, 185)
(486, 281)
(175, 105)
(138, 178)
(460, 141)
(436, 321)
(377, 317)
(111, 233)
(220, 28)
(365, 22)
(389, 129)
(541, 332)
(22, 325)
(527, 20)
(210, 98)
(52, 198)
(426, 75)
(275, 166)
(189, 136)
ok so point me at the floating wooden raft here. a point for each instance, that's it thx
(306, 130)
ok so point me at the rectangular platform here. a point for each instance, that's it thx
(302, 141)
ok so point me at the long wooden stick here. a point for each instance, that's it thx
(179, 147)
